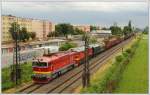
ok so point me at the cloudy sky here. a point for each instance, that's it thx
(98, 13)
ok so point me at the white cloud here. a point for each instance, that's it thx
(79, 0)
(83, 6)
(81, 12)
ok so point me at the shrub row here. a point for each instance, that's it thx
(110, 80)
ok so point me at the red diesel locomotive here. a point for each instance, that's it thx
(49, 67)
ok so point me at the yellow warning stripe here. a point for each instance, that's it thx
(41, 72)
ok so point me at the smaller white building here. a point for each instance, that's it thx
(101, 33)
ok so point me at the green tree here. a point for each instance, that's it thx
(145, 31)
(14, 30)
(104, 28)
(116, 30)
(130, 26)
(24, 34)
(21, 33)
(64, 29)
(33, 35)
(93, 28)
(78, 31)
(92, 40)
(49, 34)
(53, 34)
(127, 29)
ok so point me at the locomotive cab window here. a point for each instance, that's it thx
(34, 63)
(40, 64)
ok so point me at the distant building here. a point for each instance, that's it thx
(40, 27)
(53, 27)
(84, 28)
(6, 24)
(101, 33)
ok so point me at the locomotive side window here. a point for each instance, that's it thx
(42, 64)
(34, 63)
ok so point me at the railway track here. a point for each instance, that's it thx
(72, 79)
(78, 79)
(78, 76)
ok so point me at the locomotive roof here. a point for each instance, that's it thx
(94, 45)
(82, 48)
(53, 57)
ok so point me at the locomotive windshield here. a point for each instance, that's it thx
(39, 64)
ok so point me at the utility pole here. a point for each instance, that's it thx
(122, 49)
(16, 55)
(16, 71)
(86, 71)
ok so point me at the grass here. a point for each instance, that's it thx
(26, 76)
(110, 81)
(135, 76)
(105, 82)
(101, 73)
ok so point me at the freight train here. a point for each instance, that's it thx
(49, 67)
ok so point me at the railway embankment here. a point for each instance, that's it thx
(106, 80)
(135, 77)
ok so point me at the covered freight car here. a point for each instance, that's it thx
(97, 49)
(81, 54)
(110, 42)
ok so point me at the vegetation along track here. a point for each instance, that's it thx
(65, 81)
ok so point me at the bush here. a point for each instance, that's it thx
(25, 76)
(67, 46)
(125, 54)
(110, 80)
(6, 83)
(119, 58)
(93, 40)
(128, 51)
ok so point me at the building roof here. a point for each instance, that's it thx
(102, 31)
(39, 19)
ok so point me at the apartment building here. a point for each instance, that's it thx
(40, 27)
(7, 20)
(37, 27)
(53, 27)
